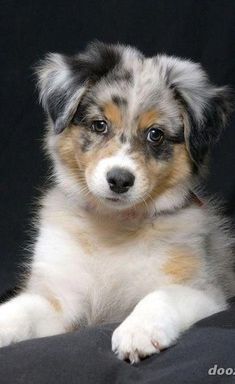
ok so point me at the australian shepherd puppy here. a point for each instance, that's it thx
(122, 237)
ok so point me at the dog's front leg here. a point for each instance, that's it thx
(26, 316)
(159, 318)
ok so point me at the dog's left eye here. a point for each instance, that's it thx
(99, 126)
(155, 136)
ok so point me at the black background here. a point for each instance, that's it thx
(203, 30)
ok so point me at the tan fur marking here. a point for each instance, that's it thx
(182, 265)
(78, 162)
(148, 118)
(113, 114)
(182, 164)
(55, 303)
(86, 243)
(172, 173)
(66, 151)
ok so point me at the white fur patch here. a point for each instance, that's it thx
(97, 181)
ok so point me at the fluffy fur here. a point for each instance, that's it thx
(151, 257)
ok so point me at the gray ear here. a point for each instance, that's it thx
(59, 89)
(63, 80)
(205, 108)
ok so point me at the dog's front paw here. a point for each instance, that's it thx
(12, 330)
(7, 337)
(141, 336)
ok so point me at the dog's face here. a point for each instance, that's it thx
(125, 147)
(127, 129)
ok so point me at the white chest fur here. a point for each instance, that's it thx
(99, 269)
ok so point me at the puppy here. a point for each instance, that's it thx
(122, 237)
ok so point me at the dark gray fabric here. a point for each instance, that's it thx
(85, 357)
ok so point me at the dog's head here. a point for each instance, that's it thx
(125, 129)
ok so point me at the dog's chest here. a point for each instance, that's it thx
(123, 266)
(104, 268)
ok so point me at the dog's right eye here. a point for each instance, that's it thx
(99, 126)
(155, 136)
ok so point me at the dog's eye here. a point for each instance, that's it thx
(99, 126)
(155, 136)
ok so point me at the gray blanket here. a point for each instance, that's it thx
(85, 357)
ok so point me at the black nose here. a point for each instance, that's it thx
(120, 180)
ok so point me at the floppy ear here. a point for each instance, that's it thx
(205, 108)
(59, 89)
(63, 80)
